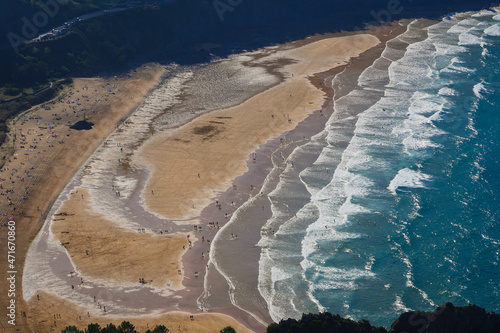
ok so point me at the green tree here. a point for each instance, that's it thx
(12, 91)
(273, 328)
(93, 328)
(227, 329)
(126, 327)
(159, 329)
(110, 329)
(71, 329)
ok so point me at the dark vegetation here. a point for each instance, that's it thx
(174, 30)
(448, 319)
(322, 323)
(23, 103)
(12, 12)
(227, 329)
(445, 319)
(126, 327)
(103, 43)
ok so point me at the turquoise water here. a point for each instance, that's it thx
(400, 211)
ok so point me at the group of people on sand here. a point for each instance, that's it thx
(37, 133)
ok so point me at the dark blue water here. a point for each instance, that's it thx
(404, 200)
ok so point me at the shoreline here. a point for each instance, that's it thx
(231, 311)
(275, 152)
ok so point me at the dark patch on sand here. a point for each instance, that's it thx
(82, 125)
(202, 130)
(208, 131)
(183, 141)
(217, 122)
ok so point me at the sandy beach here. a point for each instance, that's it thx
(154, 240)
(191, 164)
(47, 153)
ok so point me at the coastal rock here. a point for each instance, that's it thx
(447, 319)
(324, 322)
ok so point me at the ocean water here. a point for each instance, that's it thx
(401, 208)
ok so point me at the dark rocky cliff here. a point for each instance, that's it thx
(448, 319)
(445, 319)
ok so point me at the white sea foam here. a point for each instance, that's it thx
(419, 131)
(463, 26)
(425, 104)
(331, 278)
(446, 91)
(370, 263)
(484, 13)
(409, 178)
(399, 305)
(480, 89)
(278, 274)
(416, 143)
(470, 38)
(453, 68)
(494, 30)
(376, 73)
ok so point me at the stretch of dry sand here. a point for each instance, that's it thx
(51, 314)
(80, 230)
(194, 162)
